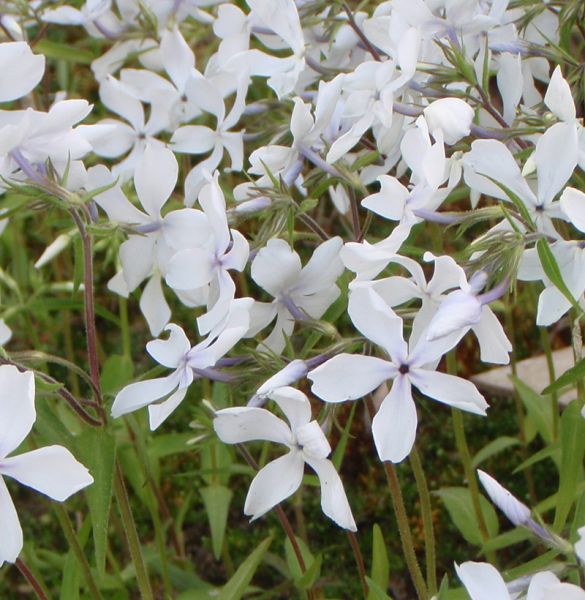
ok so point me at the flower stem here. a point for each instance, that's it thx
(21, 566)
(427, 517)
(402, 520)
(74, 544)
(359, 559)
(132, 535)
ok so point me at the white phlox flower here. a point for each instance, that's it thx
(21, 70)
(164, 394)
(306, 442)
(5, 333)
(297, 291)
(351, 376)
(145, 255)
(209, 265)
(51, 470)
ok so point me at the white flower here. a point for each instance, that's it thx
(350, 376)
(517, 512)
(5, 333)
(52, 470)
(282, 477)
(452, 116)
(297, 291)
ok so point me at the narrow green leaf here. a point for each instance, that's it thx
(553, 272)
(494, 447)
(569, 377)
(63, 52)
(234, 589)
(97, 451)
(380, 564)
(71, 578)
(291, 557)
(376, 591)
(537, 407)
(572, 436)
(339, 453)
(460, 508)
(216, 499)
(516, 200)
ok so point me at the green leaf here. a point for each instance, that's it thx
(63, 52)
(117, 371)
(380, 564)
(516, 200)
(97, 451)
(460, 508)
(291, 557)
(339, 453)
(569, 377)
(216, 499)
(234, 589)
(71, 578)
(572, 436)
(376, 592)
(553, 451)
(494, 447)
(553, 272)
(537, 407)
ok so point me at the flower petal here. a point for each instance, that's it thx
(449, 389)
(276, 267)
(274, 483)
(394, 425)
(139, 394)
(293, 403)
(482, 581)
(559, 97)
(12, 540)
(333, 499)
(349, 376)
(17, 407)
(245, 424)
(153, 305)
(169, 352)
(158, 413)
(573, 205)
(53, 471)
(155, 177)
(21, 70)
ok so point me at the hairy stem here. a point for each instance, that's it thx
(26, 572)
(359, 559)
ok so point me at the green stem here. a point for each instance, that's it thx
(552, 377)
(402, 520)
(427, 517)
(405, 533)
(74, 544)
(132, 535)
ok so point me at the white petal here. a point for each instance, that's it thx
(482, 581)
(171, 351)
(552, 305)
(194, 139)
(573, 205)
(17, 407)
(185, 228)
(12, 541)
(189, 269)
(312, 440)
(377, 321)
(245, 424)
(559, 97)
(540, 584)
(457, 310)
(323, 269)
(555, 158)
(53, 471)
(139, 394)
(276, 267)
(176, 56)
(294, 404)
(153, 305)
(394, 425)
(510, 83)
(349, 376)
(333, 499)
(158, 413)
(155, 177)
(494, 346)
(493, 159)
(449, 389)
(517, 512)
(21, 70)
(450, 115)
(212, 201)
(136, 256)
(274, 483)
(389, 202)
(117, 98)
